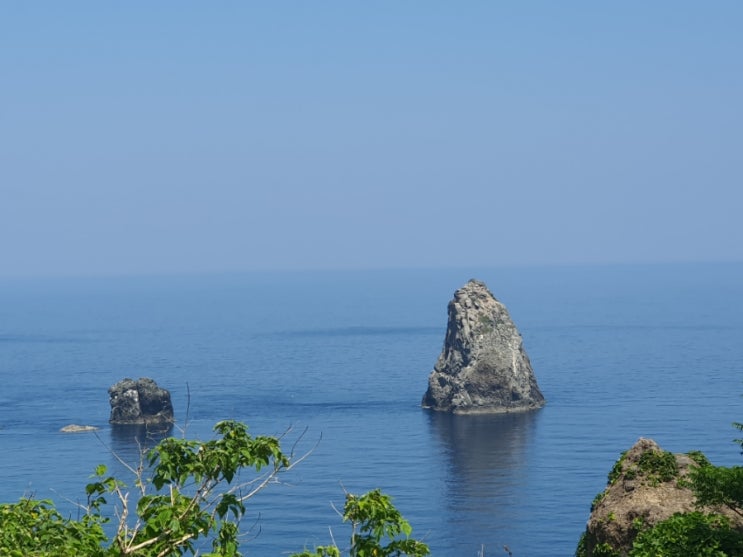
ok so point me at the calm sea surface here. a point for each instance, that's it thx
(620, 352)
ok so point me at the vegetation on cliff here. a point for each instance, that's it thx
(658, 503)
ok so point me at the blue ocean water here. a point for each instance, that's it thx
(620, 352)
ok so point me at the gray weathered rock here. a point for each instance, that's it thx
(139, 402)
(483, 367)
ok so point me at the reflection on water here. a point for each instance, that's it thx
(479, 443)
(130, 442)
(487, 480)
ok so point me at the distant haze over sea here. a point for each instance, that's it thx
(619, 351)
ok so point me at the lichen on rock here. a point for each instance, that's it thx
(483, 367)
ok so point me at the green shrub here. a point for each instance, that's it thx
(604, 550)
(699, 458)
(378, 530)
(35, 528)
(616, 470)
(658, 466)
(689, 534)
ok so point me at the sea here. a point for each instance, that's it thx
(336, 363)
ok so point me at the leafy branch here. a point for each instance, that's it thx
(188, 491)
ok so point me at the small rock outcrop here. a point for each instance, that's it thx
(646, 486)
(75, 428)
(483, 367)
(139, 402)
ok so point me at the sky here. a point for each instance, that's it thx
(192, 137)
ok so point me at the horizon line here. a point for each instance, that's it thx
(185, 273)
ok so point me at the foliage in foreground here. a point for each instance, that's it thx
(194, 491)
(374, 519)
(686, 534)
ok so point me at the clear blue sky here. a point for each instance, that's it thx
(176, 136)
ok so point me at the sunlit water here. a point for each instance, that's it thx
(619, 352)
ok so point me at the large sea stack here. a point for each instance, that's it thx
(483, 367)
(139, 402)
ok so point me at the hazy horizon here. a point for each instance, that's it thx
(467, 272)
(179, 138)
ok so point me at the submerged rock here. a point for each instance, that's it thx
(75, 428)
(483, 367)
(139, 402)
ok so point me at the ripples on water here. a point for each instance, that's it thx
(620, 352)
